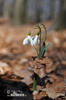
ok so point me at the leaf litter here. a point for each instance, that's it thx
(16, 58)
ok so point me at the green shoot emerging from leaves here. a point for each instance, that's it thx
(34, 84)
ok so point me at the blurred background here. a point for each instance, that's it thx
(34, 11)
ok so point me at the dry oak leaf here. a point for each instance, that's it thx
(4, 68)
(52, 93)
(25, 74)
(39, 95)
(45, 60)
(37, 68)
(41, 66)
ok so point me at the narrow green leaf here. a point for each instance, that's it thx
(45, 31)
(47, 47)
(34, 84)
(41, 53)
(39, 33)
(43, 50)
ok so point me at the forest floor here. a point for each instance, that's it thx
(15, 58)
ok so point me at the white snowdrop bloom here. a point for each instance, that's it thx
(35, 40)
(27, 40)
(38, 41)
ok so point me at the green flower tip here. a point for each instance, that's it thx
(29, 33)
(38, 33)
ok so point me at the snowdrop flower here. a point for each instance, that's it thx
(35, 40)
(27, 40)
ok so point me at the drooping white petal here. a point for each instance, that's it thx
(27, 40)
(35, 40)
(38, 41)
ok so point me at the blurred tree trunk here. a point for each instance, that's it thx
(61, 19)
(11, 4)
(5, 9)
(45, 10)
(1, 7)
(19, 12)
(57, 8)
(32, 7)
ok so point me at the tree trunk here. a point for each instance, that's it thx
(5, 10)
(45, 10)
(1, 7)
(32, 7)
(19, 12)
(61, 19)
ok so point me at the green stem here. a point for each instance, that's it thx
(45, 31)
(40, 40)
(34, 84)
(41, 46)
(39, 33)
